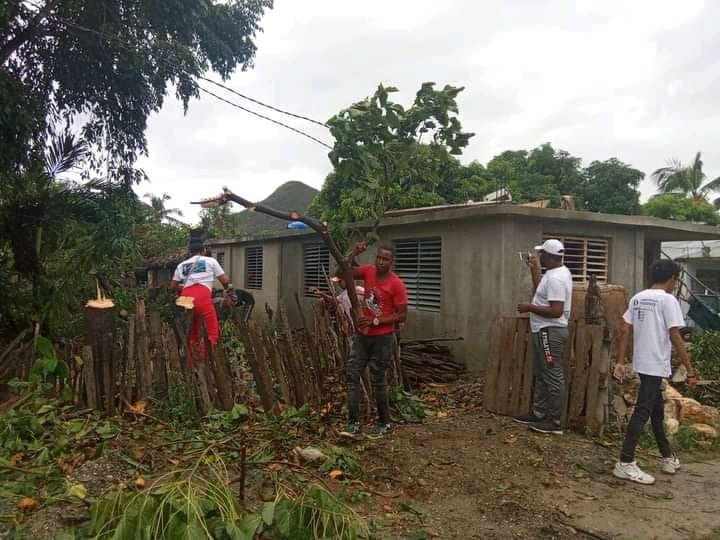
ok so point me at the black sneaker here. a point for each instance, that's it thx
(352, 430)
(547, 426)
(527, 419)
(379, 431)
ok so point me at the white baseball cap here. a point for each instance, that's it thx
(552, 247)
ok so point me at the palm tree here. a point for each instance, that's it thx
(158, 212)
(686, 179)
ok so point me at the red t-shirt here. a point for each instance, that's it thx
(380, 298)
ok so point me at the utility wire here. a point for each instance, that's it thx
(127, 47)
(264, 117)
(299, 116)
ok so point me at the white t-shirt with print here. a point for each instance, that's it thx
(555, 286)
(198, 269)
(652, 313)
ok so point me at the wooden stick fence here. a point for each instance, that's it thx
(509, 372)
(123, 360)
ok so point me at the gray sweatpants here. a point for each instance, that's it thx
(549, 394)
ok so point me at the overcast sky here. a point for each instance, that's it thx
(636, 79)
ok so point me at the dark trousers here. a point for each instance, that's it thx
(649, 405)
(549, 392)
(373, 352)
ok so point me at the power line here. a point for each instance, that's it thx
(299, 116)
(264, 117)
(127, 47)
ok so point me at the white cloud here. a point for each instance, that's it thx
(636, 80)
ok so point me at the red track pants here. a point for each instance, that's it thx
(203, 309)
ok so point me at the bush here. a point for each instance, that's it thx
(705, 351)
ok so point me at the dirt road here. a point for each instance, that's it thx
(474, 475)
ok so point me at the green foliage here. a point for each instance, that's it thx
(407, 407)
(288, 428)
(340, 458)
(687, 180)
(705, 351)
(178, 405)
(36, 434)
(48, 364)
(227, 420)
(380, 160)
(611, 187)
(543, 173)
(313, 514)
(181, 504)
(131, 50)
(197, 503)
(680, 208)
(56, 232)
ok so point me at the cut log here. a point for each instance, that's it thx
(144, 373)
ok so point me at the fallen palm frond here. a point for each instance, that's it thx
(189, 503)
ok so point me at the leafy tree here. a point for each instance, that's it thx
(66, 203)
(681, 208)
(543, 173)
(380, 160)
(159, 213)
(610, 187)
(107, 66)
(218, 221)
(686, 179)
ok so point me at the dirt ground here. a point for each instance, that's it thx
(468, 474)
(475, 475)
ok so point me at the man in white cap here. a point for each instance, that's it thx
(549, 314)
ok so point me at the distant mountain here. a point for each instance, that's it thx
(290, 196)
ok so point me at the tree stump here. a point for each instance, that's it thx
(100, 324)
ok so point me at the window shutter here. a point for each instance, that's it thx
(584, 257)
(418, 262)
(316, 257)
(254, 267)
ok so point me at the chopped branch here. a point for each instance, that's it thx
(320, 227)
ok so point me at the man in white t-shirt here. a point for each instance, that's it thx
(655, 318)
(196, 276)
(549, 314)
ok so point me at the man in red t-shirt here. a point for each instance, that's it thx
(384, 305)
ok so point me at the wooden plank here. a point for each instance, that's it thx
(568, 360)
(129, 374)
(91, 390)
(507, 341)
(143, 372)
(158, 359)
(223, 381)
(258, 365)
(492, 366)
(273, 352)
(518, 361)
(528, 377)
(204, 398)
(599, 362)
(578, 384)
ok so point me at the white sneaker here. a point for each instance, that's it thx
(670, 465)
(631, 471)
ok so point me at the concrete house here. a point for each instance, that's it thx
(461, 263)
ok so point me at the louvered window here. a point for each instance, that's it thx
(220, 257)
(254, 267)
(585, 257)
(316, 258)
(418, 262)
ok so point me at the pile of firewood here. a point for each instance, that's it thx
(426, 361)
